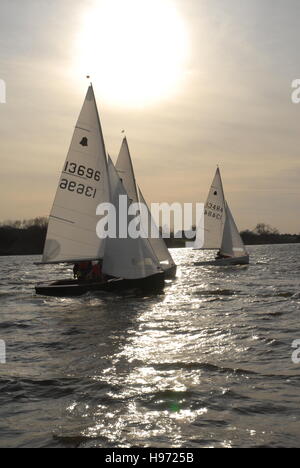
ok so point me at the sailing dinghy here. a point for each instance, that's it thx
(220, 230)
(87, 180)
(125, 170)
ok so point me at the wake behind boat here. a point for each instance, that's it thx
(89, 179)
(220, 230)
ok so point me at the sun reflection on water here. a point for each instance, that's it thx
(168, 369)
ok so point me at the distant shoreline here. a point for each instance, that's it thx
(169, 245)
(28, 237)
(174, 245)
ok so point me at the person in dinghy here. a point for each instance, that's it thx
(82, 270)
(97, 273)
(89, 272)
(221, 256)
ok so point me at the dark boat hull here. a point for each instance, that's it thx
(69, 288)
(226, 261)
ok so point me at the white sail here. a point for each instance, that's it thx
(126, 173)
(157, 243)
(125, 170)
(232, 244)
(83, 185)
(214, 215)
(126, 257)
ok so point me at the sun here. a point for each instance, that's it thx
(135, 50)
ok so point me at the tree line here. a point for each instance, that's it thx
(265, 234)
(260, 235)
(27, 237)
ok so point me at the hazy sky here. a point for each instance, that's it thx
(230, 65)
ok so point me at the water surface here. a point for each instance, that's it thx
(206, 364)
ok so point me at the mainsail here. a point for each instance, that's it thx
(214, 216)
(232, 244)
(125, 170)
(82, 186)
(126, 257)
(157, 243)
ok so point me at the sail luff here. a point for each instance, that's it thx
(103, 143)
(102, 241)
(132, 170)
(218, 174)
(100, 126)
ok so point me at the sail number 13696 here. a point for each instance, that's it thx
(82, 171)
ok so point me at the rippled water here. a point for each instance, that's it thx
(207, 364)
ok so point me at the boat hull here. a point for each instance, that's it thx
(69, 288)
(226, 261)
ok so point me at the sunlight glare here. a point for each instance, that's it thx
(134, 50)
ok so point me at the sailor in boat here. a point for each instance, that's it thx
(89, 272)
(76, 270)
(97, 273)
(82, 271)
(221, 256)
